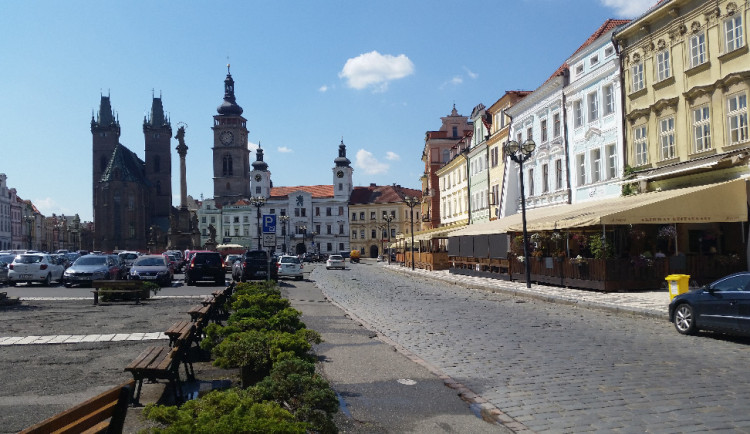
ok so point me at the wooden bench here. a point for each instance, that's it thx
(117, 287)
(177, 330)
(102, 413)
(199, 311)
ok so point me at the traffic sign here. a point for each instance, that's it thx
(269, 223)
(269, 240)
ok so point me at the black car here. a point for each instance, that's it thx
(205, 265)
(253, 265)
(723, 306)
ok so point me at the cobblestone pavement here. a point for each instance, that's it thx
(554, 367)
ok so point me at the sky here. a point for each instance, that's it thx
(377, 74)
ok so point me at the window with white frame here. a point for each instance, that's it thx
(702, 129)
(545, 178)
(558, 174)
(611, 162)
(663, 69)
(733, 33)
(697, 49)
(543, 127)
(529, 133)
(737, 118)
(593, 105)
(531, 182)
(594, 60)
(596, 165)
(640, 143)
(581, 169)
(577, 114)
(666, 138)
(579, 69)
(556, 125)
(609, 51)
(636, 77)
(609, 99)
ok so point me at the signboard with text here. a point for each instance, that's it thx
(269, 240)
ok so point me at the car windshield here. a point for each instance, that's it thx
(149, 262)
(289, 260)
(91, 260)
(256, 255)
(7, 258)
(335, 258)
(207, 259)
(28, 259)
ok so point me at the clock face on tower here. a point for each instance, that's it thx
(257, 178)
(226, 138)
(340, 173)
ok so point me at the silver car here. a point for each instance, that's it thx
(34, 267)
(335, 261)
(290, 266)
(88, 268)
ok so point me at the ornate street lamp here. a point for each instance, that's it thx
(258, 202)
(285, 222)
(411, 202)
(388, 219)
(520, 153)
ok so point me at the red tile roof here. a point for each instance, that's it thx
(316, 191)
(381, 194)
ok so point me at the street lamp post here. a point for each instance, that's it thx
(388, 219)
(258, 202)
(411, 202)
(30, 221)
(285, 222)
(520, 153)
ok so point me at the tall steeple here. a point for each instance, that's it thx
(157, 133)
(342, 174)
(229, 106)
(105, 135)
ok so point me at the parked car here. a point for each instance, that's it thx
(3, 271)
(180, 259)
(335, 261)
(254, 266)
(88, 268)
(290, 266)
(205, 265)
(722, 306)
(172, 262)
(34, 267)
(230, 260)
(152, 267)
(127, 259)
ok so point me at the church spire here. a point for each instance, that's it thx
(229, 106)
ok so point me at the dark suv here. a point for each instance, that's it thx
(253, 265)
(205, 265)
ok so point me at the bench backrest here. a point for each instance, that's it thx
(103, 411)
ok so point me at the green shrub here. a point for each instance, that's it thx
(227, 411)
(263, 287)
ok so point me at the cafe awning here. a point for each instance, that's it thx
(719, 202)
(712, 203)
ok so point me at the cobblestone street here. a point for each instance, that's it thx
(551, 366)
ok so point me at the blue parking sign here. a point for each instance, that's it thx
(269, 223)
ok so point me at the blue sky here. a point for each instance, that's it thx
(307, 73)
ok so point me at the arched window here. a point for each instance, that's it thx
(157, 164)
(227, 166)
(102, 163)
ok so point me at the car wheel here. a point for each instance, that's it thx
(68, 285)
(11, 283)
(684, 319)
(47, 280)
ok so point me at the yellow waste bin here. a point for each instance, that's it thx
(678, 284)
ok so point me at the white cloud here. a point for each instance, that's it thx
(629, 8)
(472, 75)
(375, 70)
(323, 88)
(252, 147)
(392, 156)
(368, 163)
(284, 149)
(455, 81)
(48, 206)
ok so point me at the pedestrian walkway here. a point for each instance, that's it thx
(652, 304)
(77, 339)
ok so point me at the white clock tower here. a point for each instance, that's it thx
(342, 175)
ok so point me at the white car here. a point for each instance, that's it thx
(290, 266)
(335, 261)
(34, 267)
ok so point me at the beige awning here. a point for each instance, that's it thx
(712, 203)
(719, 202)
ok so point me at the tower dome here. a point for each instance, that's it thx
(229, 106)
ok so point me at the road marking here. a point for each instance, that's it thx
(75, 339)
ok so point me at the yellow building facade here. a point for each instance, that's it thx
(686, 74)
